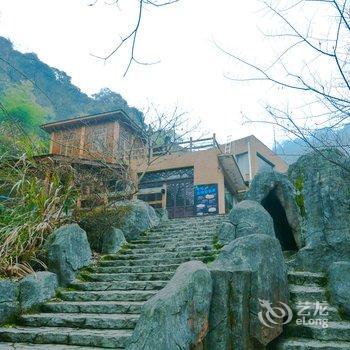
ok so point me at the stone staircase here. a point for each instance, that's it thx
(101, 308)
(306, 289)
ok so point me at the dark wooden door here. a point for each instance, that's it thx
(180, 198)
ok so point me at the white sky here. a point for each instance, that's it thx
(63, 33)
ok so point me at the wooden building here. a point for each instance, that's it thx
(195, 177)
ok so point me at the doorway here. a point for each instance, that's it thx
(180, 198)
(283, 230)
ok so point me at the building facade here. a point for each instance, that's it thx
(190, 178)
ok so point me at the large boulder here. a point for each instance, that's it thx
(113, 241)
(229, 311)
(262, 255)
(250, 217)
(37, 288)
(275, 187)
(227, 232)
(68, 250)
(324, 198)
(339, 286)
(9, 306)
(139, 217)
(177, 316)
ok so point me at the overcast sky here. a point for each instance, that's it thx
(64, 34)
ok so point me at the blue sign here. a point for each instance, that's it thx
(206, 199)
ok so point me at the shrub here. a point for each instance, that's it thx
(99, 222)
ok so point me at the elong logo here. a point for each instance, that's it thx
(308, 314)
(273, 316)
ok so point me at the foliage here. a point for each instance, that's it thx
(33, 207)
(53, 88)
(20, 118)
(98, 221)
(299, 197)
(20, 102)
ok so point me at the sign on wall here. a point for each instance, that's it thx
(206, 199)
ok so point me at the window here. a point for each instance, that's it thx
(243, 163)
(156, 178)
(68, 143)
(99, 140)
(264, 164)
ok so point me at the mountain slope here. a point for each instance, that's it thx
(53, 88)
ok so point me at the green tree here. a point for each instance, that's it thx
(20, 119)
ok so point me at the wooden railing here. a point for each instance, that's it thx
(191, 145)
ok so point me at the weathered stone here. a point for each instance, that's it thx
(262, 255)
(275, 187)
(227, 232)
(68, 250)
(139, 218)
(113, 241)
(177, 316)
(318, 259)
(250, 217)
(9, 306)
(37, 288)
(324, 197)
(339, 286)
(229, 311)
(162, 214)
(8, 291)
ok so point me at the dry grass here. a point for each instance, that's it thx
(36, 205)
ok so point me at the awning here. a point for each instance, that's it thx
(232, 174)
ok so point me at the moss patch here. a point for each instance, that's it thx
(299, 197)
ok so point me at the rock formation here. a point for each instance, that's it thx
(279, 197)
(177, 316)
(68, 250)
(325, 200)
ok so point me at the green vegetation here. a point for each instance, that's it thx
(36, 200)
(100, 220)
(20, 118)
(53, 88)
(299, 197)
(216, 244)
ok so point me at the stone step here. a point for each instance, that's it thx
(307, 293)
(171, 248)
(183, 231)
(165, 255)
(29, 346)
(307, 278)
(134, 269)
(122, 295)
(172, 240)
(199, 221)
(312, 310)
(162, 245)
(80, 320)
(109, 277)
(179, 236)
(119, 285)
(311, 344)
(153, 262)
(113, 339)
(94, 307)
(338, 331)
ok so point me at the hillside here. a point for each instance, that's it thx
(53, 88)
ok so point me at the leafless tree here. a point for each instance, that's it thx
(312, 62)
(131, 36)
